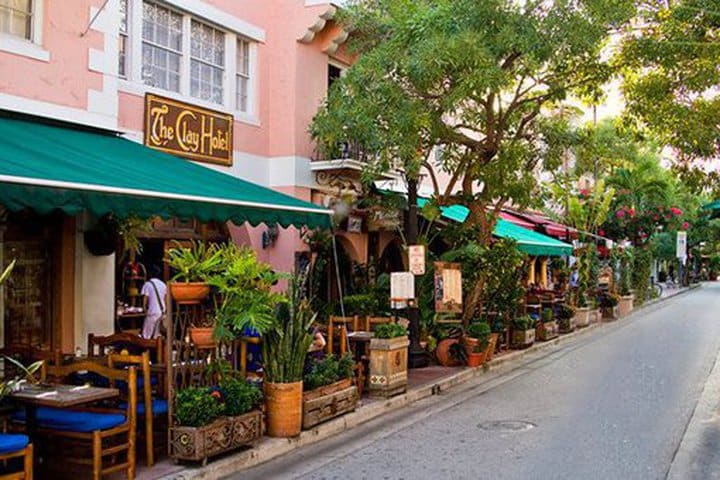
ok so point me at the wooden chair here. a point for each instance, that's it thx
(341, 324)
(243, 352)
(100, 346)
(148, 408)
(372, 322)
(97, 439)
(26, 453)
(27, 354)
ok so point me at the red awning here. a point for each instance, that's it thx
(517, 220)
(549, 227)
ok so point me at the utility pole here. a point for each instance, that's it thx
(417, 357)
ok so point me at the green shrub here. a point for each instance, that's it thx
(240, 397)
(546, 315)
(565, 312)
(481, 331)
(328, 371)
(523, 323)
(390, 330)
(198, 406)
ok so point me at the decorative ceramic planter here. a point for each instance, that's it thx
(609, 313)
(582, 317)
(567, 326)
(189, 291)
(328, 402)
(546, 331)
(442, 352)
(388, 366)
(476, 359)
(523, 338)
(223, 435)
(625, 305)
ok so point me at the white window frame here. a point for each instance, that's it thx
(133, 82)
(31, 48)
(128, 44)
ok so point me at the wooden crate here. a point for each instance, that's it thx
(330, 401)
(388, 366)
(223, 435)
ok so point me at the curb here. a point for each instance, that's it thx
(267, 448)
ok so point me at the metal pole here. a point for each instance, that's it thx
(417, 357)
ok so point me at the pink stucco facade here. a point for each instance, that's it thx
(68, 70)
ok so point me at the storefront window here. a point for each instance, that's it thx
(161, 47)
(15, 17)
(207, 62)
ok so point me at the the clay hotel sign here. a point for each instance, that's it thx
(188, 131)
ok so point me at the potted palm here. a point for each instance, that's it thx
(285, 345)
(547, 327)
(523, 334)
(328, 391)
(193, 266)
(388, 360)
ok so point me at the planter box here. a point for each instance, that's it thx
(609, 313)
(388, 366)
(223, 435)
(569, 328)
(546, 331)
(595, 316)
(582, 317)
(328, 402)
(625, 305)
(523, 338)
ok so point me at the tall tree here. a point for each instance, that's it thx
(672, 82)
(477, 77)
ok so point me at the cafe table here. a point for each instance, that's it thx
(362, 341)
(57, 396)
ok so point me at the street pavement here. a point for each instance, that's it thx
(613, 404)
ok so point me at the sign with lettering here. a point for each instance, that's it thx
(416, 257)
(188, 131)
(448, 287)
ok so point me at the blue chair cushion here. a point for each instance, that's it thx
(159, 407)
(123, 386)
(73, 420)
(10, 443)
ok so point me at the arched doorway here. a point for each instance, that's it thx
(392, 258)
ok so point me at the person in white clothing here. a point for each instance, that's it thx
(153, 292)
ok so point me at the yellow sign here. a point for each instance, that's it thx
(188, 131)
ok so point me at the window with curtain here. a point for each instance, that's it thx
(161, 47)
(16, 18)
(242, 76)
(207, 62)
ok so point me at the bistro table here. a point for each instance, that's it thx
(362, 340)
(57, 396)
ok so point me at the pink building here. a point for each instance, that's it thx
(267, 63)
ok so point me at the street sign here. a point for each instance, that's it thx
(416, 259)
(681, 245)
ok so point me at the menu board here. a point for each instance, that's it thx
(448, 287)
(402, 288)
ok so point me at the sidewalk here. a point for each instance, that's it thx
(422, 383)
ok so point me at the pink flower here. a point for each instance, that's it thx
(601, 233)
(676, 211)
(631, 211)
(685, 225)
(620, 213)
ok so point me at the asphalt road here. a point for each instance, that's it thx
(614, 404)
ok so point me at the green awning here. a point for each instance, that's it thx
(48, 168)
(528, 241)
(712, 205)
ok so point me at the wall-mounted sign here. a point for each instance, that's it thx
(402, 288)
(354, 224)
(188, 131)
(448, 287)
(416, 259)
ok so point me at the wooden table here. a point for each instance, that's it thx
(66, 396)
(362, 340)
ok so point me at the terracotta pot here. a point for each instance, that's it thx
(284, 408)
(491, 346)
(476, 359)
(470, 343)
(189, 291)
(442, 352)
(202, 337)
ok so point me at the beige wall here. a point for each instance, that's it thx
(94, 292)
